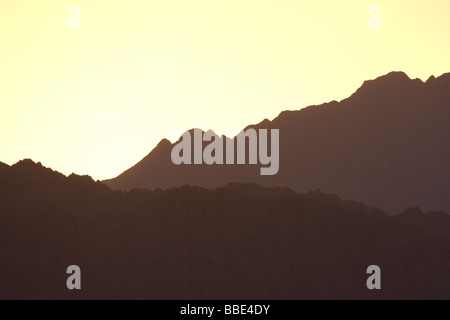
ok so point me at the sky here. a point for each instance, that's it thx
(92, 91)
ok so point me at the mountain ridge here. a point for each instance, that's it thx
(240, 241)
(390, 131)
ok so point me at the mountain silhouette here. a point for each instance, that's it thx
(386, 145)
(240, 241)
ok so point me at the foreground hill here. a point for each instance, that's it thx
(387, 146)
(241, 241)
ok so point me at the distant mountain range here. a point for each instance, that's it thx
(241, 241)
(227, 232)
(387, 145)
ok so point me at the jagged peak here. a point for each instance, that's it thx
(29, 164)
(395, 75)
(25, 162)
(395, 80)
(391, 78)
(162, 146)
(163, 142)
(430, 79)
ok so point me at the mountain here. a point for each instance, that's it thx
(241, 241)
(386, 145)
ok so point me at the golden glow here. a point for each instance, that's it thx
(98, 99)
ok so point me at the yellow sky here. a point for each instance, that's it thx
(95, 100)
